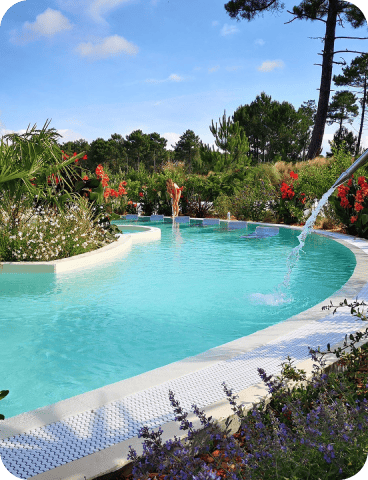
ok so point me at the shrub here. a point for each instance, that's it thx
(253, 201)
(222, 205)
(308, 429)
(351, 206)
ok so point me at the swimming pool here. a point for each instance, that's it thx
(67, 334)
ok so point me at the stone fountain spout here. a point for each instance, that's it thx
(349, 172)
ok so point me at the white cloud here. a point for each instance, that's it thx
(100, 8)
(68, 135)
(172, 139)
(47, 24)
(213, 69)
(228, 30)
(270, 65)
(171, 78)
(110, 46)
(259, 42)
(175, 78)
(215, 23)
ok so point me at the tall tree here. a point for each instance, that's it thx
(78, 146)
(137, 146)
(307, 113)
(343, 108)
(275, 130)
(157, 149)
(187, 147)
(231, 139)
(329, 12)
(344, 139)
(355, 76)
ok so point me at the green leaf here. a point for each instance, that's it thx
(3, 393)
(364, 218)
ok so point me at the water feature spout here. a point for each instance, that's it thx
(349, 172)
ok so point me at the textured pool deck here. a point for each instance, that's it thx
(88, 435)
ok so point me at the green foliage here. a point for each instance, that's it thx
(187, 148)
(290, 207)
(351, 206)
(231, 139)
(342, 108)
(222, 205)
(275, 131)
(355, 76)
(253, 201)
(3, 394)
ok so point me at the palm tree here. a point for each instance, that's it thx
(27, 161)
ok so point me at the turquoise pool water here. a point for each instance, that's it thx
(161, 302)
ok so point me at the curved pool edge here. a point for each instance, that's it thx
(265, 346)
(104, 254)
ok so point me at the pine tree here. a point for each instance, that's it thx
(355, 76)
(343, 108)
(329, 12)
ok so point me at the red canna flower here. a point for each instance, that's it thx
(361, 181)
(294, 175)
(141, 194)
(345, 203)
(354, 219)
(85, 178)
(358, 207)
(85, 157)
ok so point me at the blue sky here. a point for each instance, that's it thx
(98, 67)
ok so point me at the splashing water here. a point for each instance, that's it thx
(280, 295)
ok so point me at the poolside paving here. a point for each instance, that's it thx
(46, 447)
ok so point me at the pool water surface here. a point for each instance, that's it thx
(62, 335)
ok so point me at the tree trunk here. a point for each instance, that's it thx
(362, 117)
(324, 91)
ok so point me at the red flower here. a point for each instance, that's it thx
(85, 157)
(342, 191)
(130, 202)
(141, 194)
(350, 182)
(294, 175)
(124, 183)
(345, 203)
(361, 181)
(85, 178)
(353, 219)
(358, 207)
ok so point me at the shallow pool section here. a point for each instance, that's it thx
(63, 335)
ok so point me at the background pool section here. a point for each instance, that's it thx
(63, 335)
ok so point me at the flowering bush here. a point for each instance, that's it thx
(43, 234)
(313, 428)
(351, 206)
(290, 207)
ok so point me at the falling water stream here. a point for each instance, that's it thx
(281, 291)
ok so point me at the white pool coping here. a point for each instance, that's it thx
(103, 255)
(88, 435)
